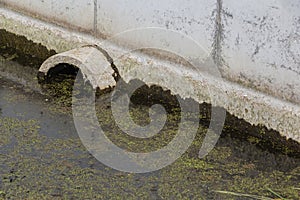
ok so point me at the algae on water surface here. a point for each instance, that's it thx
(40, 162)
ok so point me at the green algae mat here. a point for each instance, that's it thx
(42, 157)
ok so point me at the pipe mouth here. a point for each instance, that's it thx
(94, 63)
(60, 69)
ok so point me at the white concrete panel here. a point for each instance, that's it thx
(261, 46)
(76, 13)
(192, 18)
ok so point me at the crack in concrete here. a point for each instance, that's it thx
(218, 36)
(116, 74)
(95, 17)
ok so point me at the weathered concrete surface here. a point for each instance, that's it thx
(255, 107)
(77, 14)
(193, 18)
(50, 36)
(257, 46)
(261, 45)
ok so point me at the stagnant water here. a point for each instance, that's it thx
(42, 157)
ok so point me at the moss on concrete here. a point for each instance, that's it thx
(25, 52)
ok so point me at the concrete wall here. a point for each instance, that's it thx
(261, 46)
(75, 13)
(256, 43)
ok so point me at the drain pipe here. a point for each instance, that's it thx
(94, 62)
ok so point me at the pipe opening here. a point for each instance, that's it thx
(58, 83)
(63, 69)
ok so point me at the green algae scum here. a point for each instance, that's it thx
(42, 157)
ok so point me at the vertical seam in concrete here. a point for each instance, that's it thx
(95, 17)
(218, 36)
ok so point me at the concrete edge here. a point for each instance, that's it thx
(254, 107)
(250, 105)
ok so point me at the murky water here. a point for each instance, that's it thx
(42, 157)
